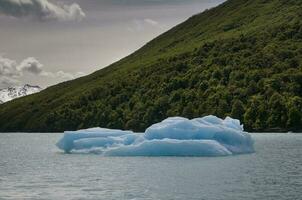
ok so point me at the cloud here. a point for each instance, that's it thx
(65, 75)
(41, 10)
(8, 72)
(8, 67)
(30, 65)
(139, 25)
(62, 75)
(11, 71)
(8, 81)
(151, 22)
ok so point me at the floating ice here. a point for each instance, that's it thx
(175, 136)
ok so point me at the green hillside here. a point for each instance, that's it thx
(242, 58)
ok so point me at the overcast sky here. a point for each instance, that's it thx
(44, 42)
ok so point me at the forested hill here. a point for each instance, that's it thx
(242, 58)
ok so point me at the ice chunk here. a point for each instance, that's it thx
(67, 142)
(181, 129)
(171, 147)
(233, 123)
(175, 136)
(88, 143)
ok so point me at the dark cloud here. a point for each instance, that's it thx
(42, 10)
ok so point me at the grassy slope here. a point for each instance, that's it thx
(95, 100)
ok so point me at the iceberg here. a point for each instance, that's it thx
(174, 136)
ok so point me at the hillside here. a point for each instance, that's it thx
(242, 58)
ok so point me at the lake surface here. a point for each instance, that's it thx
(31, 167)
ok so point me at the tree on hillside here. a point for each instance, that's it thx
(237, 110)
(294, 121)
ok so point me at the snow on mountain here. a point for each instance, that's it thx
(11, 93)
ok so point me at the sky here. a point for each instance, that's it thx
(44, 42)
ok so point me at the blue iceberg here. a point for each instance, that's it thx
(174, 136)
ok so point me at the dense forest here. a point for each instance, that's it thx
(241, 59)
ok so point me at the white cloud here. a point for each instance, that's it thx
(79, 74)
(139, 25)
(41, 10)
(8, 81)
(30, 65)
(65, 75)
(151, 22)
(8, 67)
(11, 71)
(62, 75)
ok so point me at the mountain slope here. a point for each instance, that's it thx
(11, 93)
(242, 58)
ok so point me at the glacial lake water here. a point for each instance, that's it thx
(31, 167)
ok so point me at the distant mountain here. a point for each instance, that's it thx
(11, 93)
(242, 59)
